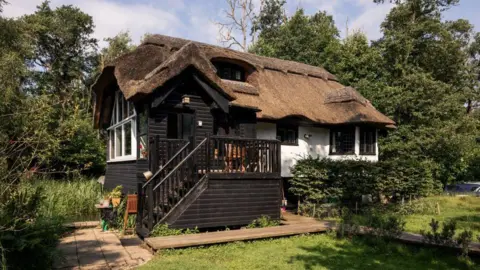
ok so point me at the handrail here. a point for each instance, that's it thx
(181, 163)
(166, 164)
(243, 139)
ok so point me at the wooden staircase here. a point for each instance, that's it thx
(170, 186)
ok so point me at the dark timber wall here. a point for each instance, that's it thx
(232, 202)
(122, 173)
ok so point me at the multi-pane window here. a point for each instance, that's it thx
(342, 141)
(230, 71)
(121, 133)
(287, 135)
(368, 139)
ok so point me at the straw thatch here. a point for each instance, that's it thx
(278, 88)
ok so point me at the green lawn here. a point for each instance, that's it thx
(318, 251)
(466, 211)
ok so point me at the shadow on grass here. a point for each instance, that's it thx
(370, 253)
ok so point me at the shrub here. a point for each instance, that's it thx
(386, 225)
(445, 237)
(164, 230)
(318, 180)
(463, 240)
(263, 222)
(327, 210)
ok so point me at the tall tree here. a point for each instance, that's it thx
(238, 21)
(117, 45)
(301, 38)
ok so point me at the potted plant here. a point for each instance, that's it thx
(116, 195)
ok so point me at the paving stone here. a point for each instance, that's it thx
(66, 263)
(95, 267)
(91, 259)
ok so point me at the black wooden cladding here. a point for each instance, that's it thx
(122, 173)
(232, 203)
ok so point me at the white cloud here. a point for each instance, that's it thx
(112, 17)
(370, 19)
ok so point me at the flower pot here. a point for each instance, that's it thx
(115, 202)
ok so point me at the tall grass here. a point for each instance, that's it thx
(74, 200)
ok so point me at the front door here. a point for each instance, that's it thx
(181, 125)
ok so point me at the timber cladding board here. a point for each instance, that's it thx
(122, 173)
(232, 202)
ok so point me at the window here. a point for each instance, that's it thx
(342, 141)
(121, 133)
(142, 132)
(230, 71)
(287, 135)
(368, 138)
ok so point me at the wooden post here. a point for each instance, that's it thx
(207, 148)
(438, 208)
(356, 208)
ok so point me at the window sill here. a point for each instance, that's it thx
(342, 154)
(368, 154)
(122, 159)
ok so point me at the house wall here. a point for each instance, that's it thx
(230, 202)
(121, 173)
(318, 145)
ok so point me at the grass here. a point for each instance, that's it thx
(320, 251)
(73, 200)
(464, 210)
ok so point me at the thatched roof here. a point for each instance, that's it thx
(277, 88)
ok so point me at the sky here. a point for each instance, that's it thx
(195, 19)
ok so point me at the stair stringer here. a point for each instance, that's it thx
(186, 201)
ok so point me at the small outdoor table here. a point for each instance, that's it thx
(107, 215)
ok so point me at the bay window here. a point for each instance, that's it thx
(121, 133)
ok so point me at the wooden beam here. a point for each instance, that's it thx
(220, 100)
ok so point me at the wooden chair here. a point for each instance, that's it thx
(132, 208)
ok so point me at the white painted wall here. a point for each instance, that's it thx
(318, 145)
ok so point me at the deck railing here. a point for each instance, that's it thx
(243, 155)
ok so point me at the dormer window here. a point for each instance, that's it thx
(229, 71)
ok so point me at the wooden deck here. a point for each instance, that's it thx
(296, 225)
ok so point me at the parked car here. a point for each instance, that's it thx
(464, 188)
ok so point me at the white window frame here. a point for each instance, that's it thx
(117, 120)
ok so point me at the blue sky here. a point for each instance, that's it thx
(195, 19)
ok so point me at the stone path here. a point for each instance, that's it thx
(90, 248)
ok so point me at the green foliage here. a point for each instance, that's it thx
(464, 240)
(301, 38)
(385, 225)
(164, 230)
(319, 180)
(27, 239)
(73, 200)
(263, 222)
(116, 192)
(443, 237)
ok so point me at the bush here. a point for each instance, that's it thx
(463, 240)
(320, 180)
(445, 237)
(263, 222)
